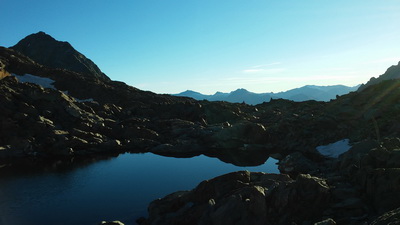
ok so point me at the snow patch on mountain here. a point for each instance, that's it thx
(42, 81)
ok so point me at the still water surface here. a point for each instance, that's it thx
(115, 189)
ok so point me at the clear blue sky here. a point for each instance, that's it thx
(219, 45)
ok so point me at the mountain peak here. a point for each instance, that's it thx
(40, 38)
(41, 34)
(392, 73)
(48, 51)
(308, 92)
(241, 91)
(189, 92)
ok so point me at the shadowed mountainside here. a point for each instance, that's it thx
(47, 51)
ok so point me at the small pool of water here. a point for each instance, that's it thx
(117, 189)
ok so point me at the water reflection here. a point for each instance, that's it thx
(242, 158)
(32, 166)
(83, 192)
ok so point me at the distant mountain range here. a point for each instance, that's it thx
(308, 92)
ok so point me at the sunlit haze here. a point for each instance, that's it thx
(208, 46)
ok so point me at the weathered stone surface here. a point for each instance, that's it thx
(244, 198)
(352, 158)
(377, 171)
(243, 135)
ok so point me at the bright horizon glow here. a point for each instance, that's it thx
(209, 46)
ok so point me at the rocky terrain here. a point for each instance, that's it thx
(353, 189)
(82, 113)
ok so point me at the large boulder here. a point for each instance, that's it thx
(238, 135)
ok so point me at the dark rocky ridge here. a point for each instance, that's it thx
(391, 73)
(47, 51)
(363, 183)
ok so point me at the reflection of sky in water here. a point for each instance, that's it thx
(117, 189)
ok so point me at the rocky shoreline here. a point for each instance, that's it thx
(355, 188)
(82, 113)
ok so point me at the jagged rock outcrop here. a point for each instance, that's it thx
(49, 52)
(392, 73)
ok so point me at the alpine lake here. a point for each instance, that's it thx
(87, 191)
